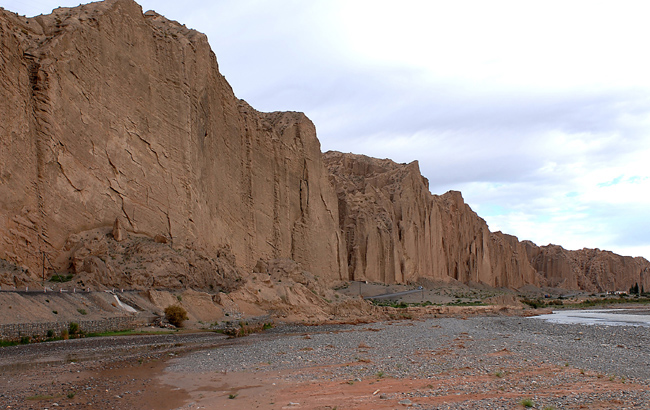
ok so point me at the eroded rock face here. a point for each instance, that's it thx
(125, 158)
(397, 231)
(592, 270)
(111, 113)
(98, 260)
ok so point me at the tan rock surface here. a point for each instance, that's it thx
(397, 231)
(128, 161)
(112, 113)
(592, 270)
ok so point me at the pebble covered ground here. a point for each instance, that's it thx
(476, 362)
(501, 362)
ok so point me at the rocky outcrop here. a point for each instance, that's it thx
(127, 161)
(111, 113)
(395, 230)
(592, 270)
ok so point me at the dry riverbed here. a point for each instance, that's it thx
(475, 362)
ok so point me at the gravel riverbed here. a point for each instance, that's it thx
(474, 362)
(515, 358)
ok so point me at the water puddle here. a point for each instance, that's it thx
(605, 317)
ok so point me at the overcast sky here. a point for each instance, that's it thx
(537, 111)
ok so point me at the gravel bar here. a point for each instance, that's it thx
(506, 353)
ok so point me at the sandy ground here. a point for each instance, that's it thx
(271, 391)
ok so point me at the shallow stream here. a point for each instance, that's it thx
(607, 317)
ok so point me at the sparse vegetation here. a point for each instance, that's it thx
(233, 396)
(61, 278)
(611, 301)
(527, 403)
(129, 332)
(245, 329)
(389, 303)
(399, 305)
(82, 311)
(534, 303)
(539, 303)
(40, 397)
(73, 329)
(176, 315)
(468, 303)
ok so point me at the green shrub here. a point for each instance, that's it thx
(50, 333)
(60, 279)
(82, 311)
(535, 304)
(244, 329)
(73, 329)
(176, 315)
(25, 340)
(527, 403)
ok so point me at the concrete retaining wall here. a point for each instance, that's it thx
(18, 330)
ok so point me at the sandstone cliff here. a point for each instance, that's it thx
(592, 270)
(111, 113)
(397, 231)
(126, 159)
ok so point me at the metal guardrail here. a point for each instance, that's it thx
(28, 290)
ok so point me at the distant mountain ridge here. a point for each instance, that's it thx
(127, 160)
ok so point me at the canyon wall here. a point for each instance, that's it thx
(109, 113)
(395, 230)
(588, 269)
(127, 160)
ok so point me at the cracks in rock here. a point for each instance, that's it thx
(147, 143)
(304, 189)
(328, 209)
(123, 207)
(276, 206)
(150, 146)
(68, 178)
(40, 128)
(134, 160)
(169, 227)
(115, 170)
